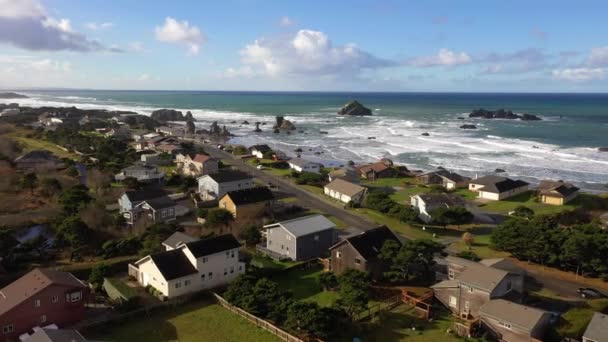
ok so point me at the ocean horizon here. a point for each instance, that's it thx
(563, 145)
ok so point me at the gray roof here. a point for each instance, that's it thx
(301, 162)
(178, 238)
(498, 184)
(56, 335)
(448, 200)
(482, 277)
(524, 317)
(345, 188)
(597, 330)
(305, 225)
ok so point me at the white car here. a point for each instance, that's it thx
(260, 167)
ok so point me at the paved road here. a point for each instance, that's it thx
(305, 198)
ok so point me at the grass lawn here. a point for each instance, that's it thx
(574, 321)
(465, 193)
(389, 182)
(304, 284)
(314, 189)
(529, 200)
(481, 247)
(198, 321)
(267, 168)
(396, 324)
(264, 261)
(167, 169)
(30, 144)
(394, 224)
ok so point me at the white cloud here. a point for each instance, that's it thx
(308, 53)
(62, 25)
(579, 74)
(98, 26)
(21, 8)
(286, 21)
(144, 77)
(180, 32)
(444, 57)
(598, 57)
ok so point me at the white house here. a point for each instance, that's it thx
(176, 239)
(191, 267)
(216, 185)
(425, 204)
(302, 165)
(259, 150)
(497, 188)
(196, 165)
(345, 191)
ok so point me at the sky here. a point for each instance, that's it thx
(338, 45)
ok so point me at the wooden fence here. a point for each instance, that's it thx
(384, 305)
(282, 334)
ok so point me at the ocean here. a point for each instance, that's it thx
(563, 146)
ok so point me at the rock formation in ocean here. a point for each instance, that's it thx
(284, 124)
(468, 127)
(257, 127)
(354, 108)
(425, 134)
(164, 115)
(189, 116)
(12, 96)
(190, 127)
(603, 149)
(501, 114)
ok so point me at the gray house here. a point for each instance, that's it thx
(300, 239)
(130, 199)
(597, 330)
(215, 186)
(512, 322)
(143, 173)
(161, 209)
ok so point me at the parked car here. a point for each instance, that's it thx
(587, 292)
(260, 167)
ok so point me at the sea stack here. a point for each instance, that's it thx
(354, 108)
(501, 114)
(284, 124)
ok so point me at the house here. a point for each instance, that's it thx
(172, 149)
(247, 203)
(39, 298)
(512, 322)
(191, 267)
(279, 156)
(426, 203)
(259, 150)
(196, 165)
(176, 239)
(173, 131)
(130, 199)
(556, 193)
(156, 210)
(121, 133)
(153, 142)
(38, 160)
(302, 165)
(468, 285)
(445, 178)
(361, 252)
(375, 170)
(214, 186)
(142, 172)
(51, 122)
(348, 174)
(497, 188)
(345, 192)
(54, 335)
(155, 158)
(597, 330)
(301, 238)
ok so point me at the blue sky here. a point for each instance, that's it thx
(528, 46)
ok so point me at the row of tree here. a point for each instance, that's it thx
(381, 201)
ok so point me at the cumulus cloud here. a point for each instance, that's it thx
(286, 21)
(444, 57)
(25, 24)
(306, 53)
(98, 26)
(579, 74)
(181, 32)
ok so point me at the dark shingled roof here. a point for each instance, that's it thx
(498, 184)
(369, 243)
(228, 176)
(437, 198)
(173, 264)
(177, 238)
(213, 245)
(161, 202)
(262, 148)
(253, 195)
(559, 188)
(145, 194)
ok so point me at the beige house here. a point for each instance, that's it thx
(345, 192)
(196, 165)
(597, 330)
(512, 322)
(497, 188)
(556, 193)
(247, 204)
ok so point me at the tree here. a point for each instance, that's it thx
(50, 187)
(202, 212)
(8, 242)
(131, 183)
(98, 272)
(72, 171)
(28, 181)
(98, 180)
(328, 281)
(523, 211)
(470, 255)
(72, 232)
(218, 216)
(188, 183)
(308, 317)
(468, 239)
(354, 292)
(75, 199)
(96, 217)
(39, 245)
(452, 216)
(413, 260)
(260, 297)
(251, 234)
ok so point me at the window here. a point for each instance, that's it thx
(338, 255)
(210, 275)
(43, 319)
(470, 289)
(75, 296)
(231, 269)
(282, 247)
(187, 283)
(7, 329)
(36, 303)
(203, 277)
(205, 259)
(316, 237)
(54, 299)
(225, 271)
(232, 254)
(269, 242)
(450, 274)
(467, 306)
(178, 284)
(240, 268)
(453, 301)
(288, 237)
(163, 213)
(357, 261)
(505, 325)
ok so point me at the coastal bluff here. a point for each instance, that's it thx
(12, 96)
(354, 108)
(164, 115)
(502, 114)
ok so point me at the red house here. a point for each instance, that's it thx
(40, 298)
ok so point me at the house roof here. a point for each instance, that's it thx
(346, 188)
(449, 283)
(168, 147)
(212, 245)
(178, 238)
(305, 225)
(498, 184)
(344, 173)
(451, 176)
(201, 158)
(253, 195)
(482, 277)
(226, 176)
(262, 148)
(369, 243)
(31, 283)
(438, 199)
(597, 330)
(56, 335)
(524, 317)
(558, 189)
(173, 264)
(376, 167)
(502, 264)
(301, 162)
(145, 194)
(160, 202)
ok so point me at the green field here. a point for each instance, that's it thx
(575, 321)
(198, 321)
(481, 247)
(29, 144)
(304, 284)
(527, 199)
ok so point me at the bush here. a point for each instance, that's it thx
(202, 212)
(309, 178)
(218, 216)
(470, 255)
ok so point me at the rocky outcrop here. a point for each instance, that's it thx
(425, 134)
(284, 124)
(12, 96)
(603, 149)
(354, 108)
(468, 127)
(190, 127)
(189, 116)
(217, 132)
(501, 114)
(257, 127)
(164, 115)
